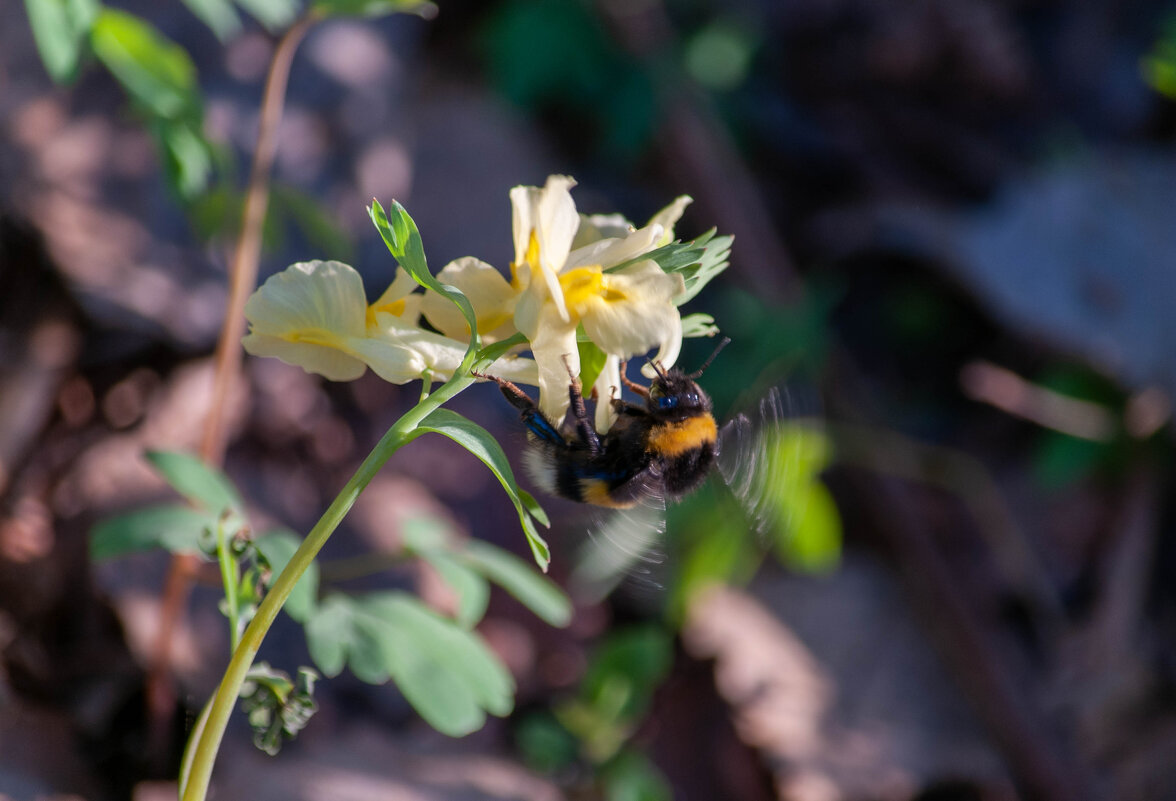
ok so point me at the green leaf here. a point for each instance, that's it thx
(446, 672)
(715, 258)
(273, 14)
(219, 15)
(698, 325)
(373, 8)
(537, 592)
(59, 29)
(317, 225)
(176, 528)
(155, 71)
(203, 485)
(810, 540)
(473, 591)
(277, 548)
(592, 360)
(632, 777)
(337, 635)
(187, 156)
(480, 443)
(458, 662)
(400, 234)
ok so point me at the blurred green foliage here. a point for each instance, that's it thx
(558, 55)
(593, 728)
(1159, 66)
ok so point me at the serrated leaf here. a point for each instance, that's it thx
(176, 528)
(59, 29)
(482, 444)
(399, 232)
(203, 485)
(154, 70)
(537, 592)
(277, 548)
(219, 15)
(373, 8)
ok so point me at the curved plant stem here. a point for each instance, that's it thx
(221, 707)
(242, 278)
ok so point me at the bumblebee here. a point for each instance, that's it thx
(664, 448)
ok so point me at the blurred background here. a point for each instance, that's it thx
(953, 265)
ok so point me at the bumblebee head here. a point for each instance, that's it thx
(675, 396)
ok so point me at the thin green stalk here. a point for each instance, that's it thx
(401, 433)
(228, 569)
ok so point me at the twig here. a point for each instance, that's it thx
(242, 280)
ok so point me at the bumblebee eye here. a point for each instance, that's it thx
(692, 399)
(667, 403)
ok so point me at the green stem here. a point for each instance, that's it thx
(402, 432)
(228, 569)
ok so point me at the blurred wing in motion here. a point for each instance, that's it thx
(749, 462)
(623, 546)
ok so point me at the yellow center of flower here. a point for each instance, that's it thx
(395, 308)
(530, 258)
(586, 284)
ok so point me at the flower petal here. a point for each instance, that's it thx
(323, 296)
(555, 342)
(668, 217)
(328, 361)
(305, 315)
(632, 311)
(610, 252)
(398, 299)
(607, 386)
(594, 227)
(492, 297)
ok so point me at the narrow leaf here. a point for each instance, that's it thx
(373, 8)
(205, 486)
(219, 15)
(154, 70)
(400, 234)
(537, 592)
(473, 591)
(481, 444)
(176, 528)
(59, 29)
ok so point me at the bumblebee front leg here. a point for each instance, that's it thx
(585, 431)
(633, 386)
(534, 419)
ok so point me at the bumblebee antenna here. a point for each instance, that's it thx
(657, 368)
(698, 373)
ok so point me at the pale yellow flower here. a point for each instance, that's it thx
(625, 312)
(492, 297)
(314, 315)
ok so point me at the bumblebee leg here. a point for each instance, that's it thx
(633, 386)
(584, 429)
(535, 421)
